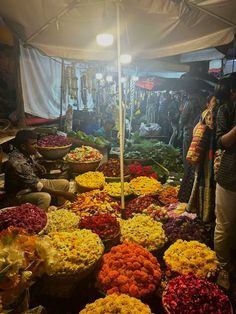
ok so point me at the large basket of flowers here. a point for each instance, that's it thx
(53, 147)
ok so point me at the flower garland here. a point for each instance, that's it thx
(191, 257)
(143, 230)
(130, 269)
(116, 304)
(192, 294)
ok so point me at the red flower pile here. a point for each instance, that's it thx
(27, 216)
(130, 269)
(192, 294)
(139, 204)
(111, 168)
(105, 225)
(137, 170)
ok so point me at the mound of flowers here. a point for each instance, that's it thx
(114, 189)
(145, 186)
(186, 228)
(93, 202)
(91, 179)
(83, 154)
(143, 230)
(138, 205)
(53, 141)
(115, 303)
(61, 220)
(27, 216)
(192, 294)
(191, 257)
(130, 269)
(105, 225)
(111, 168)
(77, 250)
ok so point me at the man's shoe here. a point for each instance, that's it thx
(223, 279)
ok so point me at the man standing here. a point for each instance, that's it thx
(226, 177)
(22, 175)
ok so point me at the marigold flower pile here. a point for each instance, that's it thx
(114, 189)
(143, 230)
(27, 216)
(169, 195)
(191, 294)
(191, 257)
(105, 225)
(77, 250)
(91, 179)
(138, 205)
(90, 203)
(83, 154)
(61, 220)
(116, 304)
(130, 269)
(145, 186)
(137, 170)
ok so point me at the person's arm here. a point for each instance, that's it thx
(58, 193)
(225, 137)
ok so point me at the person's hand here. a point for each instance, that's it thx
(69, 196)
(41, 169)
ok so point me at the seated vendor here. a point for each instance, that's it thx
(106, 130)
(23, 175)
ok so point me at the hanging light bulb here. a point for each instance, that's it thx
(99, 76)
(109, 78)
(123, 79)
(104, 39)
(125, 58)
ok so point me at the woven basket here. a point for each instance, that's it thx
(82, 167)
(53, 153)
(117, 179)
(63, 285)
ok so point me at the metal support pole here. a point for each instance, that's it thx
(121, 116)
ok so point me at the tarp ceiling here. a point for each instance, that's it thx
(150, 28)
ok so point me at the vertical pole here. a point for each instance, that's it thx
(62, 93)
(121, 122)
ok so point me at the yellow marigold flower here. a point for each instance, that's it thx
(143, 230)
(91, 179)
(61, 220)
(144, 185)
(185, 257)
(114, 189)
(77, 250)
(116, 304)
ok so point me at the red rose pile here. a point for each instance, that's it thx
(137, 170)
(105, 225)
(192, 294)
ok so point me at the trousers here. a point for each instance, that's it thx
(224, 235)
(43, 199)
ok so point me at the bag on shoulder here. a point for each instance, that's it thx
(198, 144)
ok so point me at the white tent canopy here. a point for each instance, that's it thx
(150, 28)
